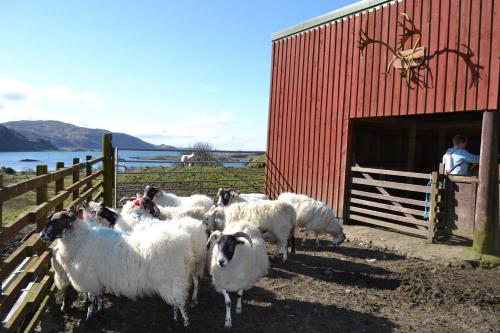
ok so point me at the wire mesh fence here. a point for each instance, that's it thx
(186, 172)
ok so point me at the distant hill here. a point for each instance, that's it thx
(68, 136)
(11, 140)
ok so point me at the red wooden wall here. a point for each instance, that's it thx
(320, 82)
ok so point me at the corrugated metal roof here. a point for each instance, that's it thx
(331, 16)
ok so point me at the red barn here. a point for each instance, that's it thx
(332, 106)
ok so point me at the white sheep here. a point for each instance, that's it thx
(104, 216)
(198, 232)
(136, 217)
(172, 213)
(162, 198)
(156, 260)
(228, 196)
(186, 159)
(238, 259)
(133, 213)
(316, 216)
(274, 219)
(61, 279)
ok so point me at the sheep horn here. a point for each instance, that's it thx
(216, 233)
(124, 200)
(244, 235)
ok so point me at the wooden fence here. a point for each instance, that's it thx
(406, 201)
(26, 277)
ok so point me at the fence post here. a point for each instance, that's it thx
(88, 172)
(76, 177)
(41, 196)
(433, 207)
(59, 185)
(107, 165)
(1, 203)
(483, 240)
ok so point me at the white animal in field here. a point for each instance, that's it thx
(274, 219)
(316, 216)
(164, 199)
(237, 259)
(158, 260)
(187, 159)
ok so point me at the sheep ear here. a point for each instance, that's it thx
(214, 236)
(85, 205)
(73, 210)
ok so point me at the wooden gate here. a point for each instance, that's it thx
(404, 201)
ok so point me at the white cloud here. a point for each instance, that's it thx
(222, 130)
(15, 91)
(23, 101)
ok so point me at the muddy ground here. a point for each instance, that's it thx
(350, 289)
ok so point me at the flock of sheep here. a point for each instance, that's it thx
(160, 244)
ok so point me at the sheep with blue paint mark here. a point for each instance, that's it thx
(155, 260)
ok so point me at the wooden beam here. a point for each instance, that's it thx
(412, 144)
(433, 207)
(391, 198)
(394, 185)
(88, 172)
(41, 197)
(387, 207)
(398, 218)
(59, 186)
(441, 142)
(483, 240)
(76, 177)
(1, 204)
(107, 165)
(391, 172)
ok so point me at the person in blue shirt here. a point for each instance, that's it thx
(456, 160)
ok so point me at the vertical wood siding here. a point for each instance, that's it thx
(320, 82)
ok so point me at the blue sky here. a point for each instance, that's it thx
(172, 72)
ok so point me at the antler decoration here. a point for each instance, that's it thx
(404, 60)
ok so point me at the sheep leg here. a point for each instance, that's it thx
(304, 238)
(277, 250)
(66, 298)
(194, 298)
(185, 318)
(69, 295)
(317, 240)
(175, 314)
(284, 249)
(238, 301)
(99, 304)
(227, 299)
(93, 306)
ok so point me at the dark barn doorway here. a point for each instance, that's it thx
(412, 143)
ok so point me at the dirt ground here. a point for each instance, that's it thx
(350, 289)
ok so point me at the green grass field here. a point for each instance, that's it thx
(190, 180)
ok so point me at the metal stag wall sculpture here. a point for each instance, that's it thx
(404, 60)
